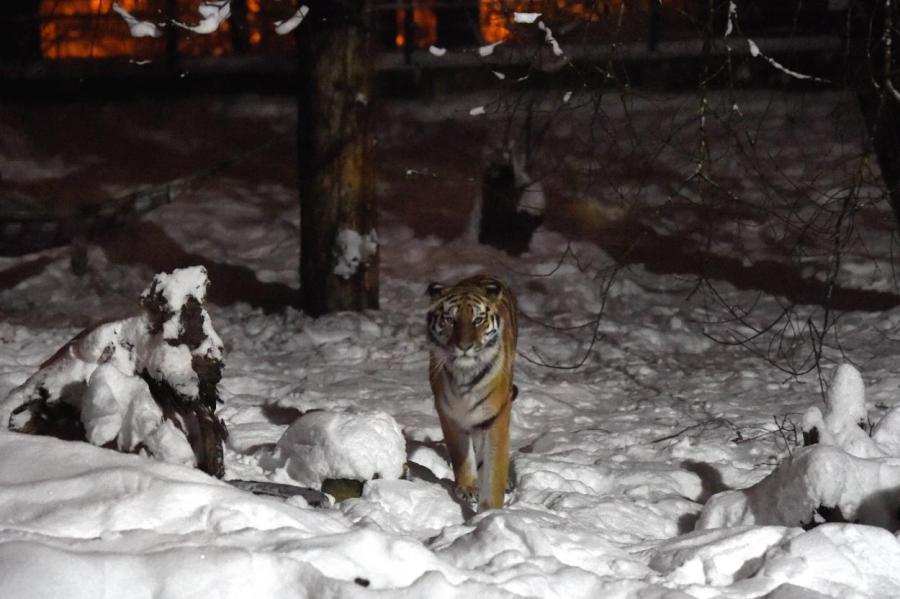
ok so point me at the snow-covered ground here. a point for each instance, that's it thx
(613, 461)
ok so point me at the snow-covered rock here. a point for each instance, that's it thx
(353, 444)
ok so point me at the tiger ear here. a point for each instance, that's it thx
(434, 289)
(492, 287)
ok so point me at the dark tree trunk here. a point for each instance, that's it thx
(335, 158)
(20, 31)
(502, 224)
(240, 33)
(869, 70)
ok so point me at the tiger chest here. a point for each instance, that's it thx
(467, 406)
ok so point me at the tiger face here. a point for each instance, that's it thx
(465, 324)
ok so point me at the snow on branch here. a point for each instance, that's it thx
(730, 25)
(213, 14)
(550, 39)
(755, 52)
(288, 25)
(136, 27)
(146, 384)
(487, 50)
(732, 18)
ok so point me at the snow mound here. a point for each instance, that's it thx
(838, 560)
(844, 420)
(845, 476)
(75, 490)
(717, 557)
(357, 445)
(498, 541)
(415, 508)
(81, 522)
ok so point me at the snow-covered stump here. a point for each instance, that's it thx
(147, 384)
(512, 205)
(843, 475)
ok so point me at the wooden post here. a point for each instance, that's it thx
(337, 198)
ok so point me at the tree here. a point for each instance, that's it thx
(871, 31)
(338, 244)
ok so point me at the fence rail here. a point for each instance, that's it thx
(70, 38)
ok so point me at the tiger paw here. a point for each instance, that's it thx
(468, 494)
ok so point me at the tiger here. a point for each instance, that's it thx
(472, 335)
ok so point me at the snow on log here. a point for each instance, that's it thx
(843, 476)
(146, 384)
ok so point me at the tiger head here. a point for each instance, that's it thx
(466, 322)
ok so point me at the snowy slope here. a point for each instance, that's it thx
(612, 460)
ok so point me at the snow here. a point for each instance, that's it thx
(757, 53)
(100, 373)
(352, 250)
(488, 49)
(354, 445)
(212, 14)
(525, 17)
(288, 25)
(844, 469)
(663, 466)
(137, 28)
(732, 18)
(532, 201)
(549, 39)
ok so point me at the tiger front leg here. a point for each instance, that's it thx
(462, 456)
(493, 470)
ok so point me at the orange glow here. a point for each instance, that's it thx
(424, 24)
(79, 29)
(493, 17)
(496, 16)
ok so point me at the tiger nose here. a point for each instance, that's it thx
(465, 346)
